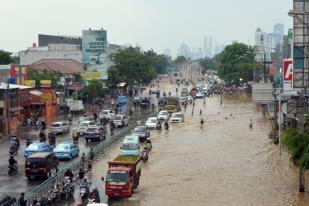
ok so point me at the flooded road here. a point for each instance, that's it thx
(223, 163)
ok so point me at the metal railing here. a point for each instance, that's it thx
(44, 188)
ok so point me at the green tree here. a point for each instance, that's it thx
(5, 57)
(159, 62)
(210, 64)
(179, 60)
(297, 144)
(236, 61)
(45, 75)
(131, 66)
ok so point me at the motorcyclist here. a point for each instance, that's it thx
(42, 136)
(74, 135)
(15, 140)
(69, 173)
(52, 138)
(131, 111)
(94, 193)
(43, 124)
(148, 144)
(12, 162)
(159, 126)
(70, 117)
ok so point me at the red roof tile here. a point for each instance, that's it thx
(64, 66)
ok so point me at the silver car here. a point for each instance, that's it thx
(60, 127)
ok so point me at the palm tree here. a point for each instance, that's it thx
(297, 144)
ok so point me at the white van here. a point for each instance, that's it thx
(83, 126)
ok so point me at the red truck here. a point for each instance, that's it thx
(122, 176)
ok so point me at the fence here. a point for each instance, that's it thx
(46, 186)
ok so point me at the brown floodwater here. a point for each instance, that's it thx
(222, 163)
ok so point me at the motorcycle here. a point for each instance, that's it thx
(13, 149)
(84, 191)
(13, 169)
(159, 126)
(144, 156)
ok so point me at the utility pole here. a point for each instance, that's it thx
(9, 106)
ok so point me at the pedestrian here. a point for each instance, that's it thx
(81, 175)
(201, 112)
(185, 107)
(22, 201)
(192, 111)
(89, 163)
(83, 160)
(91, 154)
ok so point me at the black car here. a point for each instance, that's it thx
(142, 132)
(145, 103)
(95, 133)
(6, 200)
(41, 164)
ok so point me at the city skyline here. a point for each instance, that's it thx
(152, 24)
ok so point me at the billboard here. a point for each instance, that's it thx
(94, 46)
(288, 74)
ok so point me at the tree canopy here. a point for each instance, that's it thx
(131, 66)
(236, 61)
(159, 62)
(5, 57)
(179, 60)
(45, 75)
(210, 63)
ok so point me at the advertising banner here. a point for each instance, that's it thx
(288, 74)
(94, 45)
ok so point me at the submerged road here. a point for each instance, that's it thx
(222, 163)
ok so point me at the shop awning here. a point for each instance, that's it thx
(14, 109)
(36, 93)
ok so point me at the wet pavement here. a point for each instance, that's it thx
(222, 163)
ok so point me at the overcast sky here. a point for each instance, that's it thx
(156, 24)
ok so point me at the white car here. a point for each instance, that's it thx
(152, 122)
(83, 126)
(163, 115)
(107, 114)
(199, 95)
(60, 127)
(121, 120)
(177, 117)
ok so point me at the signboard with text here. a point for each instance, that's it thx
(94, 46)
(288, 74)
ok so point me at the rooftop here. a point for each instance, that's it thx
(64, 66)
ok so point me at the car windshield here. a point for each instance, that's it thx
(92, 129)
(55, 125)
(139, 129)
(33, 147)
(130, 146)
(84, 124)
(35, 161)
(152, 120)
(117, 117)
(91, 123)
(62, 147)
(177, 115)
(117, 176)
(163, 113)
(104, 112)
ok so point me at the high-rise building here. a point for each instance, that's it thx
(184, 51)
(265, 43)
(205, 47)
(210, 48)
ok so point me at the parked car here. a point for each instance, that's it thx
(199, 95)
(6, 200)
(107, 114)
(145, 103)
(83, 127)
(177, 117)
(37, 147)
(137, 100)
(121, 120)
(41, 165)
(66, 150)
(152, 122)
(163, 115)
(142, 132)
(60, 127)
(96, 133)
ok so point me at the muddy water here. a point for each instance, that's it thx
(223, 163)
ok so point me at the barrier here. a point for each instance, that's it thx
(46, 186)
